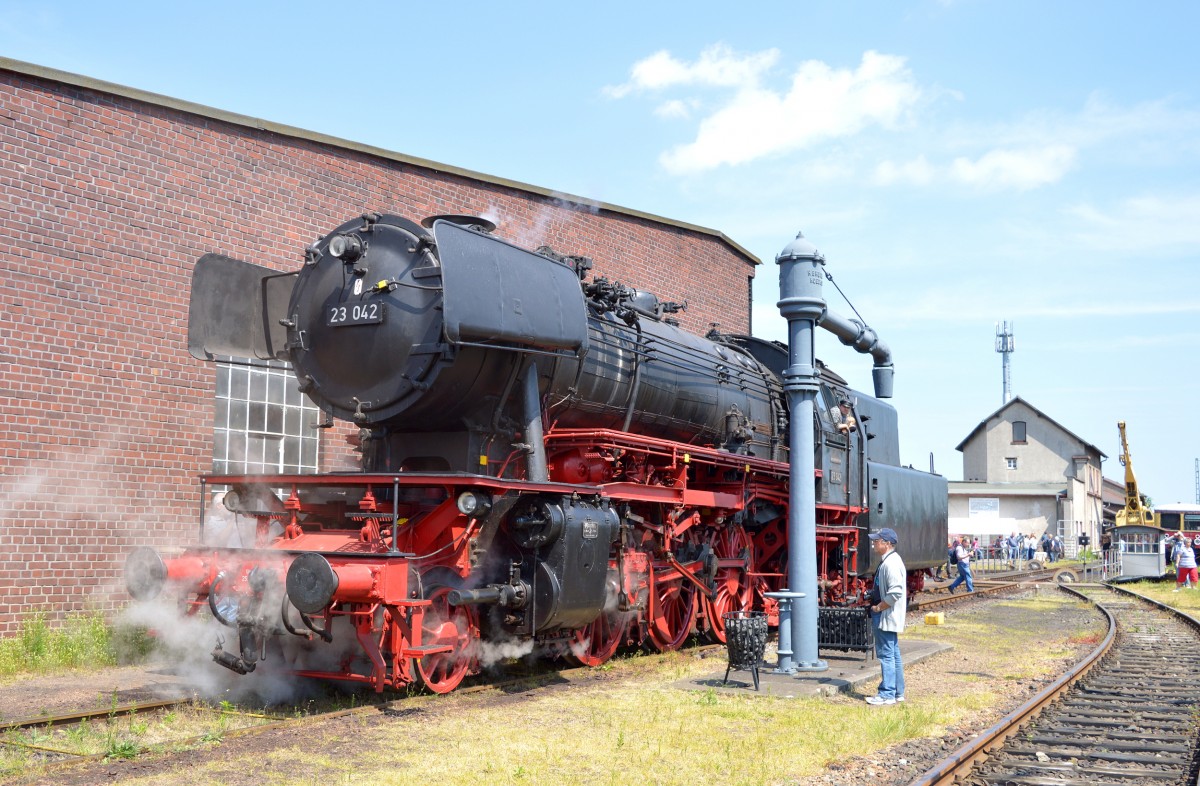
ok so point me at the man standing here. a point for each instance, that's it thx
(888, 611)
(964, 568)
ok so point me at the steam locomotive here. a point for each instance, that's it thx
(545, 460)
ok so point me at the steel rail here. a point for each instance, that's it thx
(966, 758)
(79, 717)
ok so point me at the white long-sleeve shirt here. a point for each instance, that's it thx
(892, 579)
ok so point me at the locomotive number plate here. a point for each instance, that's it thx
(354, 314)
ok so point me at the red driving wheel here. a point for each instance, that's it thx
(445, 625)
(599, 640)
(672, 609)
(733, 589)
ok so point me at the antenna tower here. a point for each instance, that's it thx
(1005, 346)
(1198, 481)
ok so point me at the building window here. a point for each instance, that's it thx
(263, 422)
(1018, 431)
(1011, 462)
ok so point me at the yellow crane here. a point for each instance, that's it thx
(1134, 511)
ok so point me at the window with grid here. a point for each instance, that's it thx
(1011, 463)
(263, 422)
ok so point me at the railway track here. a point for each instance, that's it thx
(1125, 715)
(45, 753)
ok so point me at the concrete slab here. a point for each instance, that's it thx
(847, 672)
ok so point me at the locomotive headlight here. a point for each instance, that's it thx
(223, 600)
(474, 504)
(346, 247)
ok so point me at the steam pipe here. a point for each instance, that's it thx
(537, 469)
(506, 595)
(483, 596)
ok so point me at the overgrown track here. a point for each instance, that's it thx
(542, 674)
(1125, 715)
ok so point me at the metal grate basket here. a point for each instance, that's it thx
(746, 641)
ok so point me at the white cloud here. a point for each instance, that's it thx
(822, 103)
(718, 66)
(1141, 224)
(674, 109)
(1020, 169)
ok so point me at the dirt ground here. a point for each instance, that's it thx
(340, 738)
(80, 692)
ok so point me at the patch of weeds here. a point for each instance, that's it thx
(122, 749)
(79, 641)
(214, 736)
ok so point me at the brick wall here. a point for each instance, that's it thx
(106, 200)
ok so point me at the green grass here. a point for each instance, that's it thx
(82, 641)
(1187, 601)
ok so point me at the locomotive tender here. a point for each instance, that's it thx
(545, 459)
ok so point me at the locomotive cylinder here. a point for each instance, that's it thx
(312, 582)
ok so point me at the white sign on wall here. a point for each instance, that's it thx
(983, 507)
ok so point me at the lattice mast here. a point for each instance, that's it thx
(1006, 346)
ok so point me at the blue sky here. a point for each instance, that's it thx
(959, 162)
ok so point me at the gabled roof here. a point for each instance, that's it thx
(1014, 400)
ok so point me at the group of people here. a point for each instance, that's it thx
(1052, 545)
(1017, 546)
(1013, 547)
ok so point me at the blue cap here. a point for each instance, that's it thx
(887, 533)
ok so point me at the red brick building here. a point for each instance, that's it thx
(108, 195)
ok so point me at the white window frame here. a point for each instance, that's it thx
(262, 423)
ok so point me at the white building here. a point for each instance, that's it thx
(1024, 472)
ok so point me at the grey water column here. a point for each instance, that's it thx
(802, 304)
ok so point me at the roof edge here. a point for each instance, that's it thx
(1014, 400)
(260, 124)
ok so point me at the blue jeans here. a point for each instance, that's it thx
(964, 574)
(887, 648)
